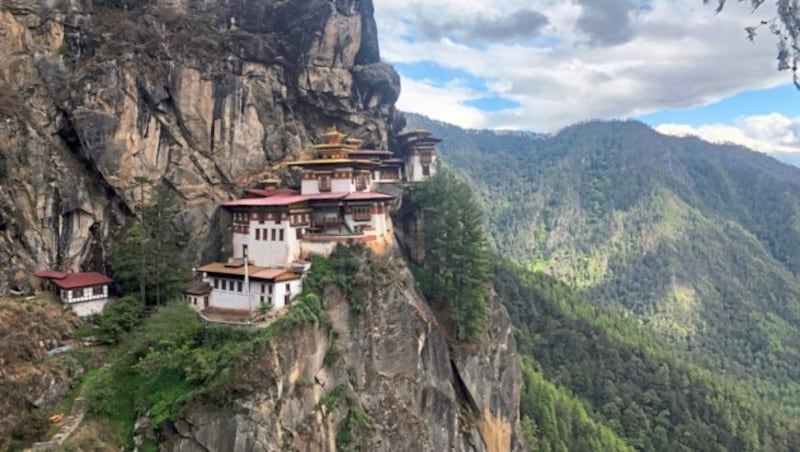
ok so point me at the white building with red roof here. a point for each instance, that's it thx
(86, 293)
(272, 227)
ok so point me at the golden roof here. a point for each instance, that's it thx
(330, 162)
(333, 136)
(254, 271)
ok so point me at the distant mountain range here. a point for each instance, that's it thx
(699, 242)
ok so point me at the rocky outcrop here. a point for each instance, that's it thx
(384, 379)
(203, 96)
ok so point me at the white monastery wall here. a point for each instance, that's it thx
(343, 185)
(309, 187)
(87, 308)
(273, 244)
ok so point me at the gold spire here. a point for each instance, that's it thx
(332, 136)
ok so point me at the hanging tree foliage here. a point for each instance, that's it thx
(457, 258)
(785, 25)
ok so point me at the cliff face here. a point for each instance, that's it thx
(383, 379)
(204, 96)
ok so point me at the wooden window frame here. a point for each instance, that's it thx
(324, 182)
(359, 213)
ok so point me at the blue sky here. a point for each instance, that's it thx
(784, 99)
(543, 64)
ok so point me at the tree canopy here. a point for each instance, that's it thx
(456, 259)
(149, 258)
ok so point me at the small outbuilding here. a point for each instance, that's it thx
(86, 293)
(197, 294)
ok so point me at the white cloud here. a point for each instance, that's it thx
(765, 133)
(679, 54)
(441, 102)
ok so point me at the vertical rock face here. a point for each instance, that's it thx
(393, 385)
(202, 95)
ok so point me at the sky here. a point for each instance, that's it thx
(541, 65)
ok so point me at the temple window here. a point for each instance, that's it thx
(325, 183)
(361, 213)
(361, 182)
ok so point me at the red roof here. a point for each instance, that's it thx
(288, 199)
(77, 280)
(276, 200)
(47, 274)
(327, 196)
(367, 195)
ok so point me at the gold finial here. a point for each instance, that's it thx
(333, 136)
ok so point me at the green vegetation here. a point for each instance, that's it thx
(699, 243)
(159, 365)
(599, 381)
(118, 319)
(173, 359)
(553, 421)
(148, 259)
(455, 267)
(342, 269)
(355, 424)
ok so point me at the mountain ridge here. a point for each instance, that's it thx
(697, 241)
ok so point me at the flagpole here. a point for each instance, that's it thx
(247, 284)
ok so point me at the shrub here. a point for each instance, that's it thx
(120, 317)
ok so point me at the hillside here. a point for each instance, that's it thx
(699, 241)
(597, 381)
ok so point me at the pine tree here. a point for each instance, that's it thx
(456, 260)
(150, 255)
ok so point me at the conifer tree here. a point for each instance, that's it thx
(150, 258)
(456, 259)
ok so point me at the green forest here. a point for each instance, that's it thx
(652, 280)
(595, 380)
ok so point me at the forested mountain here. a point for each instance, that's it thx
(597, 381)
(701, 242)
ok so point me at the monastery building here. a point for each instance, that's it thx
(275, 229)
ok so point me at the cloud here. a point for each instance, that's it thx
(771, 133)
(607, 22)
(671, 54)
(443, 102)
(522, 24)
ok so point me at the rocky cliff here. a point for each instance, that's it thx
(379, 380)
(205, 96)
